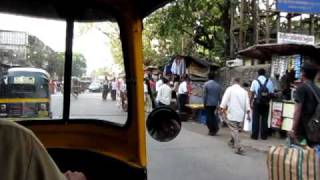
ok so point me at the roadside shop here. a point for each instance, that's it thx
(286, 62)
(197, 71)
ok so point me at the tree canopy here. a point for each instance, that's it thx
(190, 27)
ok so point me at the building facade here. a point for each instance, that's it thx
(20, 49)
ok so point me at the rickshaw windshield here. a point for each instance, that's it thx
(39, 59)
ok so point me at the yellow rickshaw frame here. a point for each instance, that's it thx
(126, 143)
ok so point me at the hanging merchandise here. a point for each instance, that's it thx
(297, 67)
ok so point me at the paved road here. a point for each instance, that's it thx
(193, 156)
(89, 105)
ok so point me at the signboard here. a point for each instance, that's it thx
(13, 38)
(276, 119)
(299, 6)
(234, 63)
(295, 38)
(23, 80)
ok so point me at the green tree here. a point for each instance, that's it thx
(79, 65)
(192, 27)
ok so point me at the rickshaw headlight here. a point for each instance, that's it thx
(3, 107)
(43, 107)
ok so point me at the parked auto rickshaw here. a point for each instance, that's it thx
(101, 149)
(24, 94)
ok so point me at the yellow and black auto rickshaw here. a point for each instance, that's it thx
(25, 94)
(78, 137)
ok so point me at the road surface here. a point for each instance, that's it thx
(191, 156)
(89, 105)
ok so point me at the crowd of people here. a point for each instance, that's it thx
(170, 91)
(237, 104)
(117, 89)
(241, 101)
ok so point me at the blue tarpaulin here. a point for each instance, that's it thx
(299, 6)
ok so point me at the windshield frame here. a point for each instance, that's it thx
(128, 67)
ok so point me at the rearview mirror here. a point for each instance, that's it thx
(163, 124)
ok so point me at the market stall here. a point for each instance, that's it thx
(286, 62)
(197, 71)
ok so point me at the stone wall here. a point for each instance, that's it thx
(247, 73)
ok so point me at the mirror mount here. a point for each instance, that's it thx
(163, 124)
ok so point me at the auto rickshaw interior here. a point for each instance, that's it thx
(99, 148)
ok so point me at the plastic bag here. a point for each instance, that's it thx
(247, 125)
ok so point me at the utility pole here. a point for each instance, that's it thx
(278, 22)
(232, 10)
(267, 22)
(255, 20)
(241, 28)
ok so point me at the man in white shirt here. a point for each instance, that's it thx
(164, 94)
(235, 103)
(159, 83)
(113, 89)
(183, 95)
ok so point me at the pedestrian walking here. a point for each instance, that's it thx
(113, 89)
(261, 93)
(307, 108)
(123, 94)
(183, 94)
(105, 88)
(235, 104)
(211, 98)
(164, 94)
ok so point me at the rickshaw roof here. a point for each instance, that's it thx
(31, 70)
(85, 10)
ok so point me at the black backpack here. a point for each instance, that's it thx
(263, 95)
(313, 125)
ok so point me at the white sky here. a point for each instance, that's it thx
(93, 45)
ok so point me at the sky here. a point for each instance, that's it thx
(93, 44)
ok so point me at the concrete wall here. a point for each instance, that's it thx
(247, 73)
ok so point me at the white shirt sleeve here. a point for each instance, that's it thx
(159, 95)
(225, 99)
(247, 102)
(252, 88)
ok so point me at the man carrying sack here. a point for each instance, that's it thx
(300, 161)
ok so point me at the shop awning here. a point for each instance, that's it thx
(266, 51)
